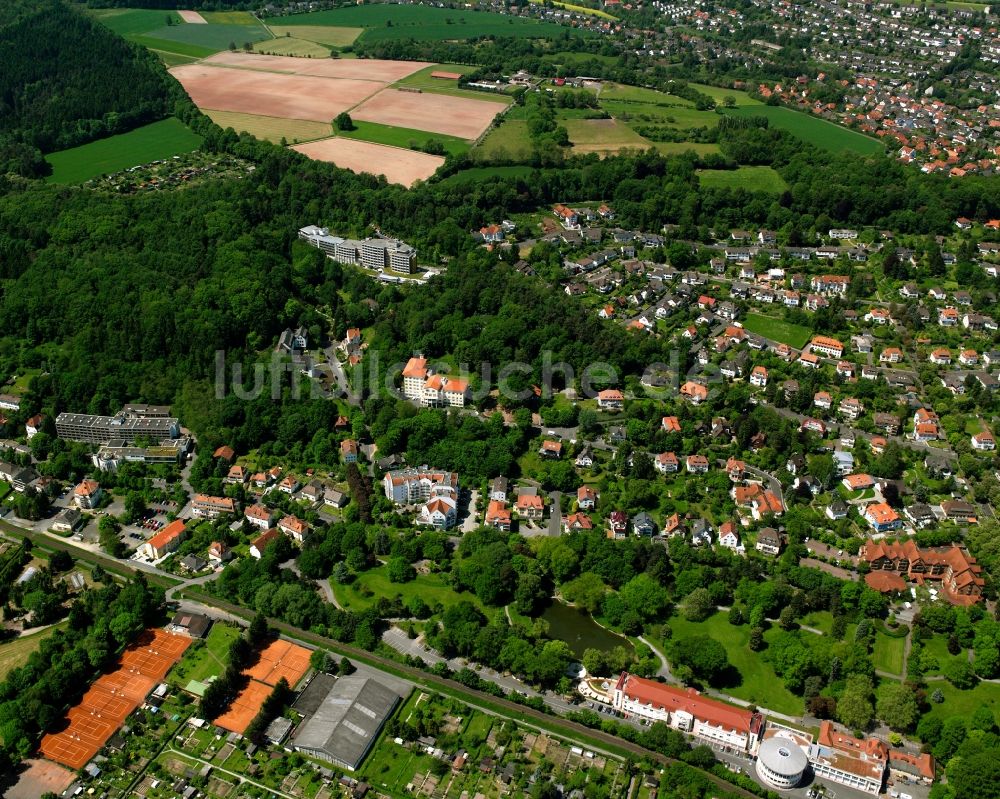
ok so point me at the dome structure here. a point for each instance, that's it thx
(781, 763)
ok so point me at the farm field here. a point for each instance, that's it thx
(751, 178)
(323, 34)
(813, 130)
(371, 69)
(272, 129)
(15, 653)
(578, 9)
(171, 48)
(455, 116)
(152, 142)
(759, 682)
(603, 136)
(209, 36)
(402, 137)
(778, 330)
(288, 46)
(401, 166)
(510, 138)
(131, 21)
(229, 17)
(424, 23)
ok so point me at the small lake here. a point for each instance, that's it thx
(580, 631)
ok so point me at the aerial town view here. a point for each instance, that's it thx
(504, 398)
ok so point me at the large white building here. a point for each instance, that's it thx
(423, 386)
(413, 486)
(380, 254)
(688, 711)
(858, 763)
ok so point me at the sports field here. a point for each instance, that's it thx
(152, 142)
(272, 129)
(401, 166)
(751, 178)
(384, 22)
(812, 129)
(244, 707)
(777, 330)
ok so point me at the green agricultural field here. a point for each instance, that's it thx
(888, 653)
(719, 94)
(383, 22)
(596, 135)
(129, 22)
(323, 34)
(778, 330)
(665, 113)
(375, 583)
(510, 138)
(813, 129)
(205, 659)
(759, 682)
(403, 137)
(162, 139)
(174, 59)
(422, 80)
(292, 47)
(272, 129)
(751, 178)
(165, 46)
(592, 12)
(639, 94)
(14, 654)
(229, 17)
(212, 38)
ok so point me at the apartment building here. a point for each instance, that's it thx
(207, 507)
(126, 426)
(411, 486)
(165, 541)
(380, 254)
(423, 386)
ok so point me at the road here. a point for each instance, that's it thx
(555, 514)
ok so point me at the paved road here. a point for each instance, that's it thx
(555, 514)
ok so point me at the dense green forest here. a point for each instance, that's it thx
(66, 80)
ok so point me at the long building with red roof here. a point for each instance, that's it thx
(688, 711)
(959, 573)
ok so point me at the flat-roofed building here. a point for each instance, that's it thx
(126, 426)
(345, 717)
(858, 763)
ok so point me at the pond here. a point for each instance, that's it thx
(580, 631)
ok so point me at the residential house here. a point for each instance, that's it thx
(530, 506)
(577, 522)
(263, 541)
(208, 507)
(294, 528)
(498, 515)
(697, 464)
(758, 377)
(439, 512)
(551, 449)
(666, 463)
(837, 509)
(769, 541)
(617, 524)
(729, 537)
(165, 541)
(984, 441)
(643, 525)
(259, 516)
(87, 494)
(882, 517)
(610, 399)
(349, 450)
(498, 489)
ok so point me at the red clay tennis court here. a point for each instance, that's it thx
(112, 697)
(244, 708)
(280, 659)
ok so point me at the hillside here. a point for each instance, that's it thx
(66, 80)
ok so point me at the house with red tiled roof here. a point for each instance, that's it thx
(666, 463)
(263, 541)
(294, 527)
(498, 515)
(671, 424)
(856, 762)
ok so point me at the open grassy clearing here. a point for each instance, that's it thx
(509, 138)
(271, 128)
(292, 47)
(131, 21)
(605, 132)
(324, 34)
(403, 137)
(664, 114)
(174, 59)
(751, 178)
(719, 94)
(887, 654)
(162, 139)
(374, 583)
(426, 23)
(812, 129)
(964, 703)
(777, 330)
(759, 682)
(639, 94)
(422, 80)
(204, 660)
(15, 653)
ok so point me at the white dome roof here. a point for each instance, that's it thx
(782, 756)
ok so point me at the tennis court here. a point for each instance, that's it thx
(244, 708)
(112, 697)
(280, 659)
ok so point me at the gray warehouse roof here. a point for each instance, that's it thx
(345, 725)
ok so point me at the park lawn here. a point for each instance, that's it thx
(820, 619)
(751, 178)
(427, 23)
(509, 138)
(272, 129)
(207, 659)
(162, 139)
(973, 425)
(289, 46)
(813, 130)
(403, 137)
(229, 17)
(887, 654)
(778, 330)
(15, 653)
(760, 684)
(324, 34)
(959, 703)
(131, 21)
(937, 646)
(429, 587)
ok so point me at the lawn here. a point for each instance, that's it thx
(937, 647)
(383, 22)
(777, 330)
(429, 587)
(161, 139)
(820, 620)
(751, 178)
(292, 47)
(509, 138)
(759, 682)
(324, 34)
(888, 653)
(402, 137)
(15, 653)
(271, 128)
(963, 703)
(591, 135)
(812, 129)
(207, 659)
